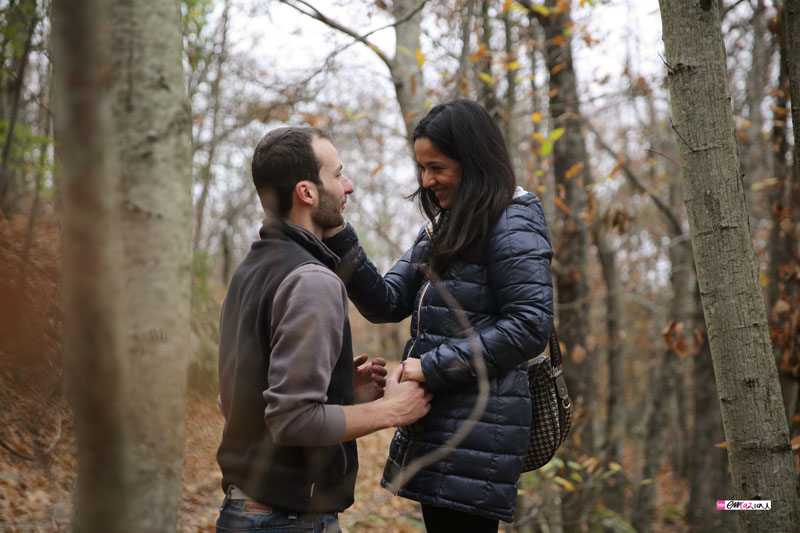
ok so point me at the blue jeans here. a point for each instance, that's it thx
(246, 515)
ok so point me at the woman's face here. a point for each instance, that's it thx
(440, 174)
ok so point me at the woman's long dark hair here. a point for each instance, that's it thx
(463, 130)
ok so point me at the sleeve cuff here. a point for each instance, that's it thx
(333, 428)
(342, 242)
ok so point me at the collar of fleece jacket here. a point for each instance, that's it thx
(276, 228)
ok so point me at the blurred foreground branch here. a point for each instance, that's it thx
(403, 476)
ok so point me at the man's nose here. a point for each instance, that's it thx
(348, 185)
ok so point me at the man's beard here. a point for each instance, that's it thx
(328, 213)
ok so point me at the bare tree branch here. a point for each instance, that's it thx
(398, 21)
(318, 15)
(463, 60)
(207, 176)
(329, 60)
(665, 156)
(634, 180)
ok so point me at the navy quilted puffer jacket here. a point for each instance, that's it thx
(505, 289)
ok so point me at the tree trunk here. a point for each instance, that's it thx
(405, 69)
(753, 148)
(782, 243)
(461, 86)
(664, 387)
(614, 493)
(708, 464)
(507, 114)
(45, 125)
(486, 94)
(92, 340)
(666, 383)
(531, 179)
(571, 169)
(25, 18)
(569, 153)
(207, 174)
(791, 32)
(753, 417)
(780, 193)
(152, 141)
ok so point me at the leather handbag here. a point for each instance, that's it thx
(550, 405)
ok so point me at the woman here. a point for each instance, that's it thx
(488, 244)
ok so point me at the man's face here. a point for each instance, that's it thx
(335, 186)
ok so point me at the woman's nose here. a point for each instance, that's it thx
(427, 179)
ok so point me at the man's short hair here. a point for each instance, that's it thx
(283, 158)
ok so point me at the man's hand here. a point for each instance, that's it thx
(412, 370)
(369, 378)
(402, 404)
(407, 401)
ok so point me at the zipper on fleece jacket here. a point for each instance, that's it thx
(344, 456)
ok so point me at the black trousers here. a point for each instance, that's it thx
(441, 520)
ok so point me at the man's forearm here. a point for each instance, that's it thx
(363, 419)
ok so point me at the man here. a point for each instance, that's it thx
(294, 399)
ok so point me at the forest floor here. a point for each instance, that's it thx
(35, 495)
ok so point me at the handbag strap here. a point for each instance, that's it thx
(555, 348)
(558, 371)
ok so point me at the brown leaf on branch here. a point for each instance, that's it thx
(562, 206)
(410, 115)
(574, 170)
(556, 69)
(477, 55)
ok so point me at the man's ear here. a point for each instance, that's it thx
(305, 192)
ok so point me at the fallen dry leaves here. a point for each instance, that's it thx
(36, 496)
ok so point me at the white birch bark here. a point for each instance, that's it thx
(152, 142)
